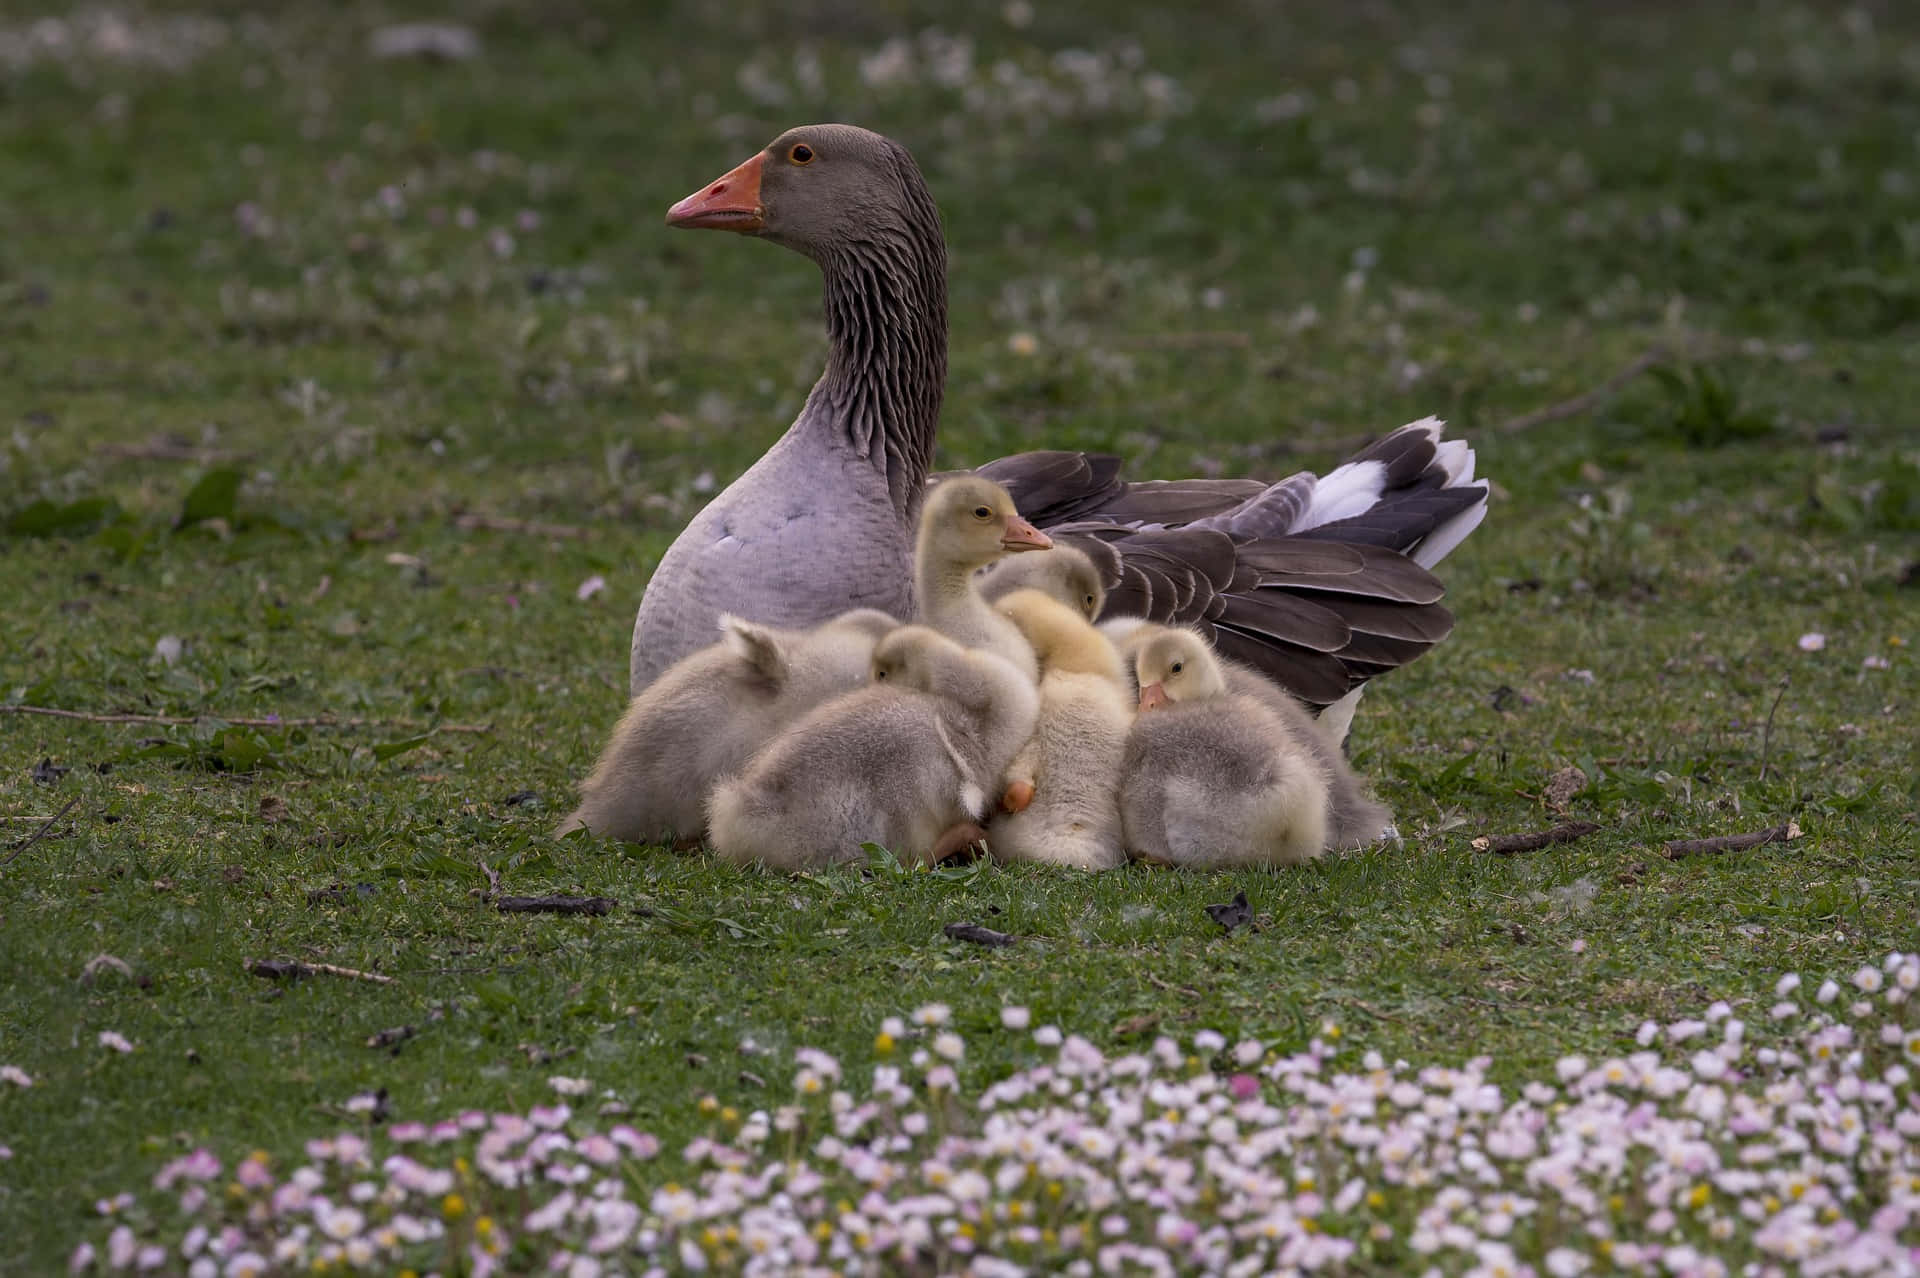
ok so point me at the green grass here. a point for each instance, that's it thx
(1536, 196)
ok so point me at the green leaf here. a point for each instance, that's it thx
(211, 498)
(392, 749)
(243, 750)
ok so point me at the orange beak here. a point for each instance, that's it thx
(1021, 535)
(1154, 697)
(731, 204)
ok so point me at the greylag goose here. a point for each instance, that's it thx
(904, 762)
(966, 524)
(709, 713)
(1215, 777)
(1319, 583)
(1061, 787)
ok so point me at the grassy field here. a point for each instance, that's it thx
(278, 320)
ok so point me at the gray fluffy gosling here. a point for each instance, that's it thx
(706, 716)
(1214, 778)
(1355, 818)
(912, 762)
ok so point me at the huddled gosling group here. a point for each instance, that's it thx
(1001, 715)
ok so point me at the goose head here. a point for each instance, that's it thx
(968, 522)
(1177, 666)
(816, 189)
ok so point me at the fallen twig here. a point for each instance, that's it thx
(40, 833)
(1508, 844)
(322, 721)
(1678, 848)
(979, 935)
(391, 1037)
(529, 527)
(1586, 399)
(289, 970)
(555, 904)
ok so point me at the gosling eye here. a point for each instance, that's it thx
(800, 153)
(1175, 668)
(983, 512)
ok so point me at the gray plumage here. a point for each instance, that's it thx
(1071, 765)
(899, 763)
(709, 713)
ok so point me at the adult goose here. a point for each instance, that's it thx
(1319, 582)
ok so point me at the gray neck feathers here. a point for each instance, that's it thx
(886, 304)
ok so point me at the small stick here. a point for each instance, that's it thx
(391, 1037)
(1766, 737)
(531, 527)
(979, 935)
(288, 970)
(1508, 844)
(324, 721)
(1586, 399)
(40, 833)
(555, 904)
(1678, 848)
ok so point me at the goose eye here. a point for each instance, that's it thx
(1175, 668)
(982, 512)
(801, 153)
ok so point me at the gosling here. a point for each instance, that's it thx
(708, 714)
(1060, 800)
(1212, 779)
(911, 762)
(966, 524)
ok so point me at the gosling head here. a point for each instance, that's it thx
(908, 657)
(1062, 572)
(970, 522)
(1177, 666)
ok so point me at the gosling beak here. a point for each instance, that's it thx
(1154, 697)
(1021, 535)
(731, 204)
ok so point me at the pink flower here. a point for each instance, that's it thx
(1243, 1086)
